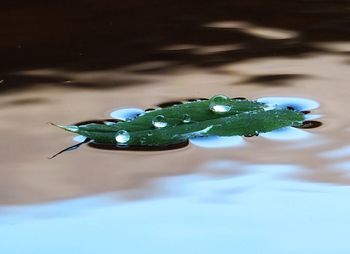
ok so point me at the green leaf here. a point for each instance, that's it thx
(219, 116)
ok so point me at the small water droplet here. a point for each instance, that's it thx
(159, 121)
(186, 118)
(149, 133)
(143, 140)
(219, 104)
(256, 133)
(122, 137)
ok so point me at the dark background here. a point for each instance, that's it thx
(96, 35)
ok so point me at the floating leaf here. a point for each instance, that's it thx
(219, 116)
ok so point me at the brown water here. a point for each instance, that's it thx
(72, 62)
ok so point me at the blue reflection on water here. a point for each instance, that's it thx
(79, 138)
(297, 103)
(312, 117)
(344, 165)
(126, 113)
(260, 212)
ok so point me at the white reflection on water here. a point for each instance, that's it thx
(221, 164)
(218, 142)
(79, 138)
(255, 30)
(254, 213)
(337, 153)
(287, 134)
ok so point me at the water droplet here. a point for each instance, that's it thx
(186, 118)
(219, 104)
(256, 133)
(159, 121)
(122, 137)
(149, 133)
(143, 140)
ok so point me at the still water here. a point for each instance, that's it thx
(282, 192)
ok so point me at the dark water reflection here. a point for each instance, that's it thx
(99, 35)
(66, 62)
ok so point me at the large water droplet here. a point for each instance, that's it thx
(159, 121)
(186, 118)
(219, 104)
(122, 137)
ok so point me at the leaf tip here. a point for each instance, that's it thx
(71, 128)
